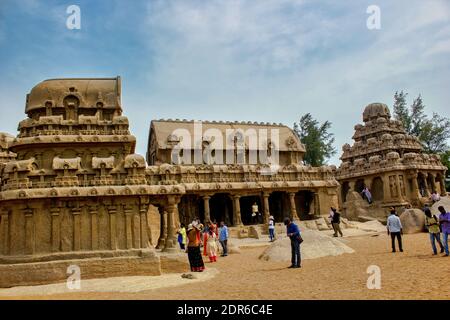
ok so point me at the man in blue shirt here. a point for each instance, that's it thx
(223, 238)
(293, 233)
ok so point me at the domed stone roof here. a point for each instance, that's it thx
(375, 110)
(87, 93)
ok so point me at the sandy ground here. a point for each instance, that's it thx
(413, 274)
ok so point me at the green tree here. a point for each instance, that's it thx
(317, 139)
(417, 119)
(401, 110)
(445, 158)
(432, 133)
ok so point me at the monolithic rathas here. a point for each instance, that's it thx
(390, 163)
(73, 192)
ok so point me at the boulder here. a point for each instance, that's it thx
(315, 245)
(413, 221)
(445, 202)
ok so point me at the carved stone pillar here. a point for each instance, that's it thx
(294, 215)
(415, 187)
(112, 211)
(266, 196)
(387, 188)
(4, 229)
(397, 187)
(206, 207)
(30, 244)
(163, 228)
(76, 212)
(56, 228)
(136, 228)
(316, 201)
(93, 212)
(171, 237)
(434, 185)
(145, 237)
(442, 184)
(128, 210)
(425, 186)
(237, 211)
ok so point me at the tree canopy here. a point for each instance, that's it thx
(316, 138)
(432, 132)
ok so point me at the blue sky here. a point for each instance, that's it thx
(264, 60)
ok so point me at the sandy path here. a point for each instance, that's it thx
(414, 274)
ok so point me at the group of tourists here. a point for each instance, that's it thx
(198, 235)
(435, 225)
(208, 237)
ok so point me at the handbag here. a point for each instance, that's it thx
(300, 239)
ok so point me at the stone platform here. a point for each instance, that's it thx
(142, 263)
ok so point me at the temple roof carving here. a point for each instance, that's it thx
(381, 143)
(89, 92)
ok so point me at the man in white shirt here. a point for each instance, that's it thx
(394, 228)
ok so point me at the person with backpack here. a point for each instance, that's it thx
(432, 224)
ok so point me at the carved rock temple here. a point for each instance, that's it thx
(390, 163)
(73, 192)
(226, 192)
(5, 154)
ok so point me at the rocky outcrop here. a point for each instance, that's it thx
(315, 245)
(413, 221)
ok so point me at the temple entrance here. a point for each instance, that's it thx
(246, 204)
(221, 208)
(431, 185)
(359, 185)
(279, 205)
(344, 190)
(303, 201)
(422, 184)
(377, 189)
(440, 184)
(191, 207)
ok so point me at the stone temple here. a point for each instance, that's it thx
(390, 163)
(73, 191)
